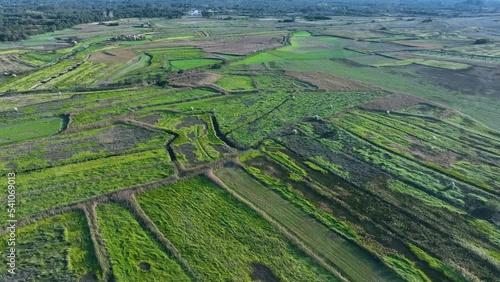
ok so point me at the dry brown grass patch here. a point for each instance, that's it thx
(331, 82)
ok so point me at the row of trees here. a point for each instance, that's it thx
(19, 20)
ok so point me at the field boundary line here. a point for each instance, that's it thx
(170, 248)
(296, 241)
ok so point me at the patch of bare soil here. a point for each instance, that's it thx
(89, 277)
(262, 273)
(120, 138)
(196, 79)
(113, 56)
(245, 45)
(392, 102)
(330, 82)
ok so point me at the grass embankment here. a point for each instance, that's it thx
(57, 248)
(29, 130)
(340, 252)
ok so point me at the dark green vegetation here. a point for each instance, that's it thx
(255, 150)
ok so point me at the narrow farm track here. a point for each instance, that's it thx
(170, 248)
(102, 255)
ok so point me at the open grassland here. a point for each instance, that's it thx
(307, 104)
(134, 255)
(85, 75)
(135, 64)
(119, 108)
(303, 46)
(423, 140)
(343, 254)
(78, 147)
(68, 184)
(8, 103)
(29, 130)
(200, 219)
(56, 248)
(235, 82)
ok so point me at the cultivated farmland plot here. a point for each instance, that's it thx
(253, 149)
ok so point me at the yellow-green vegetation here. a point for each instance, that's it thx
(430, 63)
(56, 248)
(135, 255)
(79, 147)
(303, 46)
(34, 79)
(356, 263)
(221, 238)
(235, 82)
(296, 172)
(131, 66)
(436, 264)
(40, 58)
(406, 268)
(315, 167)
(29, 130)
(195, 63)
(9, 103)
(488, 229)
(85, 75)
(250, 154)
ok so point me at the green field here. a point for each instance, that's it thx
(211, 221)
(303, 47)
(191, 64)
(348, 258)
(24, 131)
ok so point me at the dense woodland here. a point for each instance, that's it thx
(20, 19)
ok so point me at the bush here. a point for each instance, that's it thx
(482, 41)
